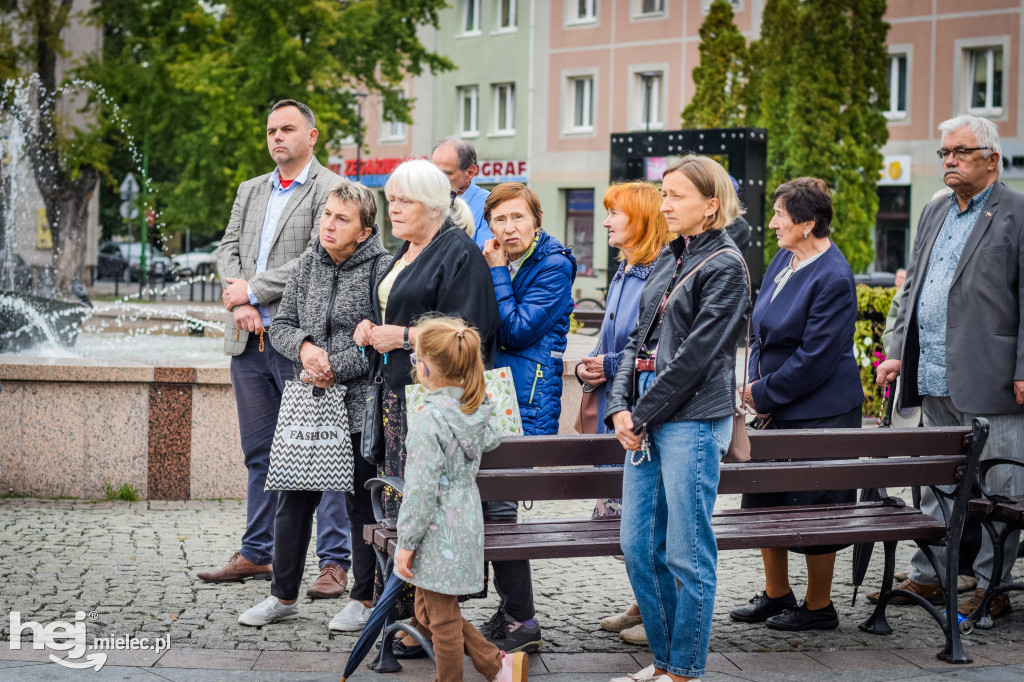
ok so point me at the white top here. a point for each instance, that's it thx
(787, 272)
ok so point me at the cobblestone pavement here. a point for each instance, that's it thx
(132, 566)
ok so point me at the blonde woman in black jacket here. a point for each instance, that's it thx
(671, 405)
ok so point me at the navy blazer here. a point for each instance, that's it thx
(801, 354)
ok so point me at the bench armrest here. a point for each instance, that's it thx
(375, 486)
(983, 469)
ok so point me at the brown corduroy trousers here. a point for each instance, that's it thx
(440, 620)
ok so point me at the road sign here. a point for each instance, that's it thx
(129, 191)
(129, 211)
(129, 188)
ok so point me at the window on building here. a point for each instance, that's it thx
(985, 80)
(642, 7)
(582, 93)
(469, 99)
(583, 11)
(649, 99)
(579, 228)
(705, 5)
(505, 108)
(892, 228)
(897, 86)
(506, 15)
(391, 130)
(470, 16)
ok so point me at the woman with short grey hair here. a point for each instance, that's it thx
(438, 269)
(327, 295)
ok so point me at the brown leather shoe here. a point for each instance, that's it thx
(331, 583)
(997, 608)
(932, 593)
(238, 569)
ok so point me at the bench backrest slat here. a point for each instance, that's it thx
(580, 450)
(569, 484)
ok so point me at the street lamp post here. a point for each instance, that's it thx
(359, 133)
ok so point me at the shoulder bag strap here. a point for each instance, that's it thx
(746, 274)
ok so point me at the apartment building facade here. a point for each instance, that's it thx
(541, 86)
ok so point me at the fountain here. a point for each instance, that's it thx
(29, 313)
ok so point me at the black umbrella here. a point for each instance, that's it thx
(862, 551)
(381, 612)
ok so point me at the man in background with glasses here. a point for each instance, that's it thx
(958, 342)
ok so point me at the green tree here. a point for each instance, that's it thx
(822, 85)
(195, 82)
(719, 78)
(65, 163)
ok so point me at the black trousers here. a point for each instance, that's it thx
(513, 580)
(293, 527)
(360, 513)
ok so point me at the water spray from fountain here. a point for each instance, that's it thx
(30, 313)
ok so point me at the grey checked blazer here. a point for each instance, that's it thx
(985, 324)
(297, 229)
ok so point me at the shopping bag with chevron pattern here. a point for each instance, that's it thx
(312, 447)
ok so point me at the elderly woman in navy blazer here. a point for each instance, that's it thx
(803, 376)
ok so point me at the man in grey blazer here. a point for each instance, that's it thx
(274, 217)
(959, 340)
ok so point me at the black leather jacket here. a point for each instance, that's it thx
(697, 341)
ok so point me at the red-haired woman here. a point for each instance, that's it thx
(637, 228)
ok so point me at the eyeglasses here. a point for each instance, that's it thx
(960, 153)
(415, 361)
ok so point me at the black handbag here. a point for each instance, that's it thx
(372, 438)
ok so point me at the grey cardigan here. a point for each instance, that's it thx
(323, 303)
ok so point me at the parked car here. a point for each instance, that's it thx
(158, 265)
(876, 279)
(111, 263)
(203, 256)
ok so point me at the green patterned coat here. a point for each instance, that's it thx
(441, 518)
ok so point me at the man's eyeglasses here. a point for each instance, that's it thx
(415, 361)
(960, 153)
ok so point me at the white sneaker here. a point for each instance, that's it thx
(352, 618)
(634, 635)
(267, 611)
(645, 675)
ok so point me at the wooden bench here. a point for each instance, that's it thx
(563, 468)
(993, 508)
(590, 321)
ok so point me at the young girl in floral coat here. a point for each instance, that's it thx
(440, 525)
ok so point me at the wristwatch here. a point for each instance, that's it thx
(405, 340)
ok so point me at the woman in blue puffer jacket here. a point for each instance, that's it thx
(533, 275)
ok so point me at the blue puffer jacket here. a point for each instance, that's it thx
(534, 307)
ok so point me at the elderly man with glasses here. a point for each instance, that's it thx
(958, 342)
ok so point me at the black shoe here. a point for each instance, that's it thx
(762, 607)
(493, 622)
(803, 618)
(511, 636)
(403, 650)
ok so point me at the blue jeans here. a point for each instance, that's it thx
(667, 538)
(258, 382)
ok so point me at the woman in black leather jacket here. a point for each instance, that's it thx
(671, 405)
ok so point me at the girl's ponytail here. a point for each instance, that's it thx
(453, 349)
